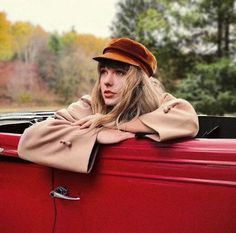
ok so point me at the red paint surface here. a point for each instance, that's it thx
(8, 143)
(136, 186)
(25, 206)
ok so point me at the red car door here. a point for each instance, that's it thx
(143, 186)
(186, 186)
(25, 204)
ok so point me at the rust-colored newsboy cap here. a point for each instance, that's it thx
(131, 52)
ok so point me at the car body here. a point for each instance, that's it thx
(138, 185)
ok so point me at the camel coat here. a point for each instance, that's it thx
(57, 143)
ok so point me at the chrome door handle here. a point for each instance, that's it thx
(61, 192)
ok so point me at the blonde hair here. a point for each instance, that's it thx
(140, 95)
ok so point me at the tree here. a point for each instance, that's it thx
(207, 85)
(69, 38)
(192, 27)
(55, 43)
(209, 27)
(151, 22)
(67, 66)
(186, 36)
(91, 45)
(77, 69)
(127, 17)
(6, 43)
(22, 33)
(211, 87)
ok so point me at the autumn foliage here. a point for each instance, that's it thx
(37, 67)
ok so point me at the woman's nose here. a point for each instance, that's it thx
(109, 79)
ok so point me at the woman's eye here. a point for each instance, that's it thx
(120, 72)
(103, 71)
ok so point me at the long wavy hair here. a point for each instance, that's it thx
(140, 95)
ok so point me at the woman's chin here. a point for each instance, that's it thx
(110, 102)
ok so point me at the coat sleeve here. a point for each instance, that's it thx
(57, 143)
(76, 110)
(175, 118)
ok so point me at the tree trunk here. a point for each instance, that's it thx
(226, 36)
(219, 31)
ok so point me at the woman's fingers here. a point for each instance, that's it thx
(86, 124)
(126, 135)
(85, 119)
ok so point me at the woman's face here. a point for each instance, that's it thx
(112, 84)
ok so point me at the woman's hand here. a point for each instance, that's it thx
(87, 121)
(109, 136)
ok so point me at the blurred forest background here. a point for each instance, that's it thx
(194, 42)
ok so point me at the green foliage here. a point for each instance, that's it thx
(69, 38)
(194, 43)
(55, 43)
(127, 17)
(148, 22)
(211, 87)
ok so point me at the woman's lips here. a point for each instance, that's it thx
(109, 94)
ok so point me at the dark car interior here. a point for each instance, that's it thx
(210, 126)
(18, 122)
(217, 127)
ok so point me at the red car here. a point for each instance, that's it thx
(137, 186)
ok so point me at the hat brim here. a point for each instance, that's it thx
(116, 57)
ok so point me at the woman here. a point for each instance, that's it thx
(126, 102)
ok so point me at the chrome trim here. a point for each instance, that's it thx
(61, 192)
